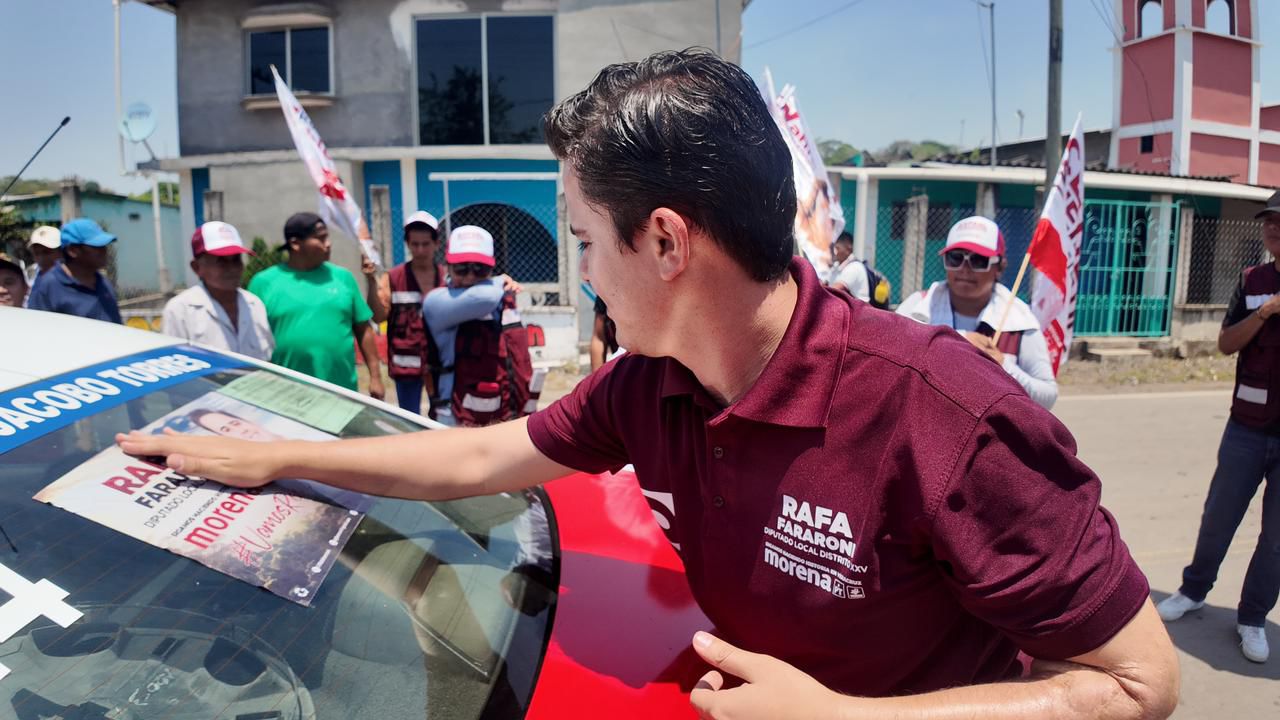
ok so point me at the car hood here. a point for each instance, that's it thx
(59, 343)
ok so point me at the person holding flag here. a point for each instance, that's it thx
(337, 207)
(973, 302)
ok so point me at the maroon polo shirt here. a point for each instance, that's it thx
(884, 508)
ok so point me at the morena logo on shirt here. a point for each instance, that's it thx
(810, 536)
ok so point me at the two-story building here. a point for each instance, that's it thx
(438, 100)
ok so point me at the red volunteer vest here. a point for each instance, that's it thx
(1256, 401)
(410, 350)
(493, 378)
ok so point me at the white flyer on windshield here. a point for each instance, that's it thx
(284, 537)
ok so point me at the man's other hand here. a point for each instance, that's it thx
(770, 689)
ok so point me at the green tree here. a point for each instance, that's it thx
(15, 230)
(266, 257)
(27, 186)
(929, 149)
(836, 152)
(168, 194)
(900, 150)
(450, 111)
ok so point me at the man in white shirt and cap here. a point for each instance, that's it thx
(217, 312)
(973, 302)
(46, 249)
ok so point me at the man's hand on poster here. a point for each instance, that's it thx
(986, 344)
(770, 687)
(238, 463)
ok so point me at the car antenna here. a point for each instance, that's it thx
(6, 539)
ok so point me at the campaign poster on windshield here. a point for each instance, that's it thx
(219, 414)
(284, 537)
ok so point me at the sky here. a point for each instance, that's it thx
(866, 71)
(885, 70)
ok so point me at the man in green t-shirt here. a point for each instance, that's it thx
(316, 309)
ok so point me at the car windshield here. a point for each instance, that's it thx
(435, 610)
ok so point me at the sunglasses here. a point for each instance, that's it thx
(953, 259)
(479, 270)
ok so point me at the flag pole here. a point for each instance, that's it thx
(1013, 294)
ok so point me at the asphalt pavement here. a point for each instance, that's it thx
(1155, 453)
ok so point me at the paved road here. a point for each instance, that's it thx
(1155, 454)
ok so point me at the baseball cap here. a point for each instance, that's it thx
(7, 261)
(46, 236)
(1273, 206)
(422, 217)
(83, 231)
(301, 225)
(217, 238)
(469, 243)
(976, 234)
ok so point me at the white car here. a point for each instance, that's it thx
(437, 610)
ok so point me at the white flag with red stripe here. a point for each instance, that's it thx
(337, 207)
(819, 217)
(1055, 252)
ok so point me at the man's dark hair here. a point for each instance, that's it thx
(688, 131)
(435, 234)
(301, 226)
(845, 237)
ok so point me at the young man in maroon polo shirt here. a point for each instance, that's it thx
(869, 508)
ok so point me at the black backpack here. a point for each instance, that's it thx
(877, 287)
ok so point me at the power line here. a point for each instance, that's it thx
(806, 24)
(1109, 23)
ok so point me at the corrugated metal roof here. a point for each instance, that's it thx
(1095, 166)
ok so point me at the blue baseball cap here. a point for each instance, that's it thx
(83, 231)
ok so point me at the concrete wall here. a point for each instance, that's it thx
(373, 58)
(1269, 165)
(1131, 157)
(371, 80)
(135, 248)
(1155, 57)
(257, 198)
(1216, 156)
(1222, 80)
(595, 33)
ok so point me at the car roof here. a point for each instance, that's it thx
(43, 344)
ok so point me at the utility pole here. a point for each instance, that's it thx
(991, 8)
(1053, 130)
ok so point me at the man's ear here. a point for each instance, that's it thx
(670, 232)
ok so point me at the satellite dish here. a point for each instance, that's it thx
(138, 122)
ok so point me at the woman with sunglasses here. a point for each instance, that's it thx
(972, 302)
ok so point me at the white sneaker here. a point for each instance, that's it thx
(1253, 643)
(1177, 605)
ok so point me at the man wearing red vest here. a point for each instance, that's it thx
(485, 374)
(1250, 450)
(410, 351)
